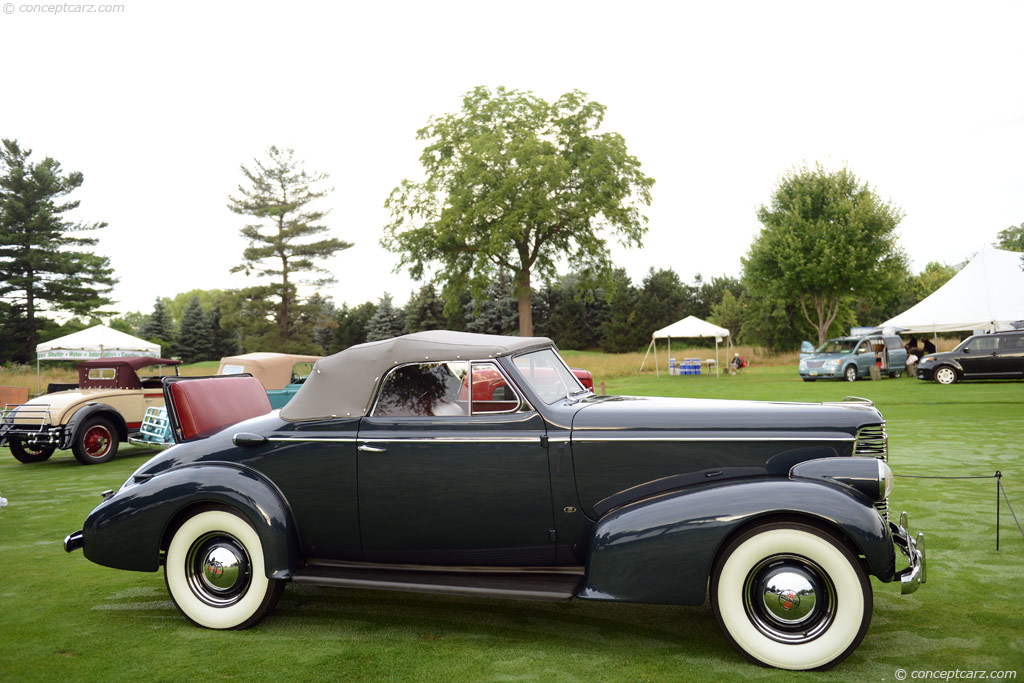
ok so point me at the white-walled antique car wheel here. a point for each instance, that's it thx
(791, 596)
(214, 572)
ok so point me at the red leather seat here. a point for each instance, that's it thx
(206, 405)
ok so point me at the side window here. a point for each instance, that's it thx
(1015, 341)
(424, 390)
(984, 344)
(863, 347)
(102, 373)
(300, 371)
(893, 343)
(491, 393)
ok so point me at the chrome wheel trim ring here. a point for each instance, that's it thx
(789, 599)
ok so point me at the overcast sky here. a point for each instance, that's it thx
(160, 103)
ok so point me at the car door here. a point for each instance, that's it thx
(979, 358)
(1008, 360)
(451, 477)
(864, 356)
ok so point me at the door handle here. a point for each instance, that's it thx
(366, 448)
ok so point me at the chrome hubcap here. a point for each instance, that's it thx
(217, 569)
(97, 441)
(945, 376)
(789, 599)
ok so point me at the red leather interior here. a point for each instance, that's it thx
(205, 405)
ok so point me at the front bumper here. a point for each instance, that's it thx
(821, 373)
(73, 542)
(925, 372)
(912, 548)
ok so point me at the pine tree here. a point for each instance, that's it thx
(279, 193)
(386, 322)
(222, 342)
(158, 327)
(425, 311)
(42, 264)
(194, 339)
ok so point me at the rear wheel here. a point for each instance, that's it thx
(850, 373)
(25, 452)
(95, 441)
(792, 596)
(945, 375)
(896, 375)
(215, 573)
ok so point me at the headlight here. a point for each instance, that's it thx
(928, 359)
(870, 476)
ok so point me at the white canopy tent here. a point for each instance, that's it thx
(98, 341)
(987, 294)
(689, 327)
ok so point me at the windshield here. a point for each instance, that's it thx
(837, 346)
(546, 373)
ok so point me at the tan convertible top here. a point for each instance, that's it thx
(343, 384)
(274, 370)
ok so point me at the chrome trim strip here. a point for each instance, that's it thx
(313, 439)
(455, 439)
(584, 439)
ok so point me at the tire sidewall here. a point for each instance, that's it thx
(238, 615)
(853, 592)
(846, 373)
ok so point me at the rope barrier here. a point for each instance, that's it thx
(998, 476)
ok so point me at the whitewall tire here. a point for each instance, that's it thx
(215, 572)
(791, 596)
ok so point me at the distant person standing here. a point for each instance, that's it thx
(928, 347)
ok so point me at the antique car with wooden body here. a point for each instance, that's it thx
(388, 470)
(105, 408)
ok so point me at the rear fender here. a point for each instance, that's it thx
(128, 530)
(661, 549)
(85, 413)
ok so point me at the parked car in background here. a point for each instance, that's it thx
(999, 355)
(280, 373)
(851, 358)
(476, 465)
(107, 406)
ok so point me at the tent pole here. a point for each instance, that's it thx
(716, 358)
(645, 356)
(657, 370)
(38, 385)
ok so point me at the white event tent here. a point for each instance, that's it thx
(689, 327)
(98, 341)
(987, 294)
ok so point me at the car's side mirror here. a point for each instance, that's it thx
(248, 439)
(966, 350)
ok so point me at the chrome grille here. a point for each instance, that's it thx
(872, 442)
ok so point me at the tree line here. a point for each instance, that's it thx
(513, 187)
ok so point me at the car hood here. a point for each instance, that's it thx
(633, 413)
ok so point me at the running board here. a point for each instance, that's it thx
(528, 583)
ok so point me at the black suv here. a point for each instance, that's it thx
(984, 356)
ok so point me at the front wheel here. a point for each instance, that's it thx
(95, 441)
(25, 452)
(851, 373)
(945, 375)
(215, 573)
(791, 596)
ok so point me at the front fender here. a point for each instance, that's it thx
(126, 531)
(660, 550)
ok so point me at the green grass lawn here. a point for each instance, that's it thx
(62, 617)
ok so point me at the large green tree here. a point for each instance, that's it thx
(44, 265)
(827, 240)
(194, 342)
(278, 194)
(1011, 239)
(516, 184)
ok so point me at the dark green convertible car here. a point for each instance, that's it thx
(476, 465)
